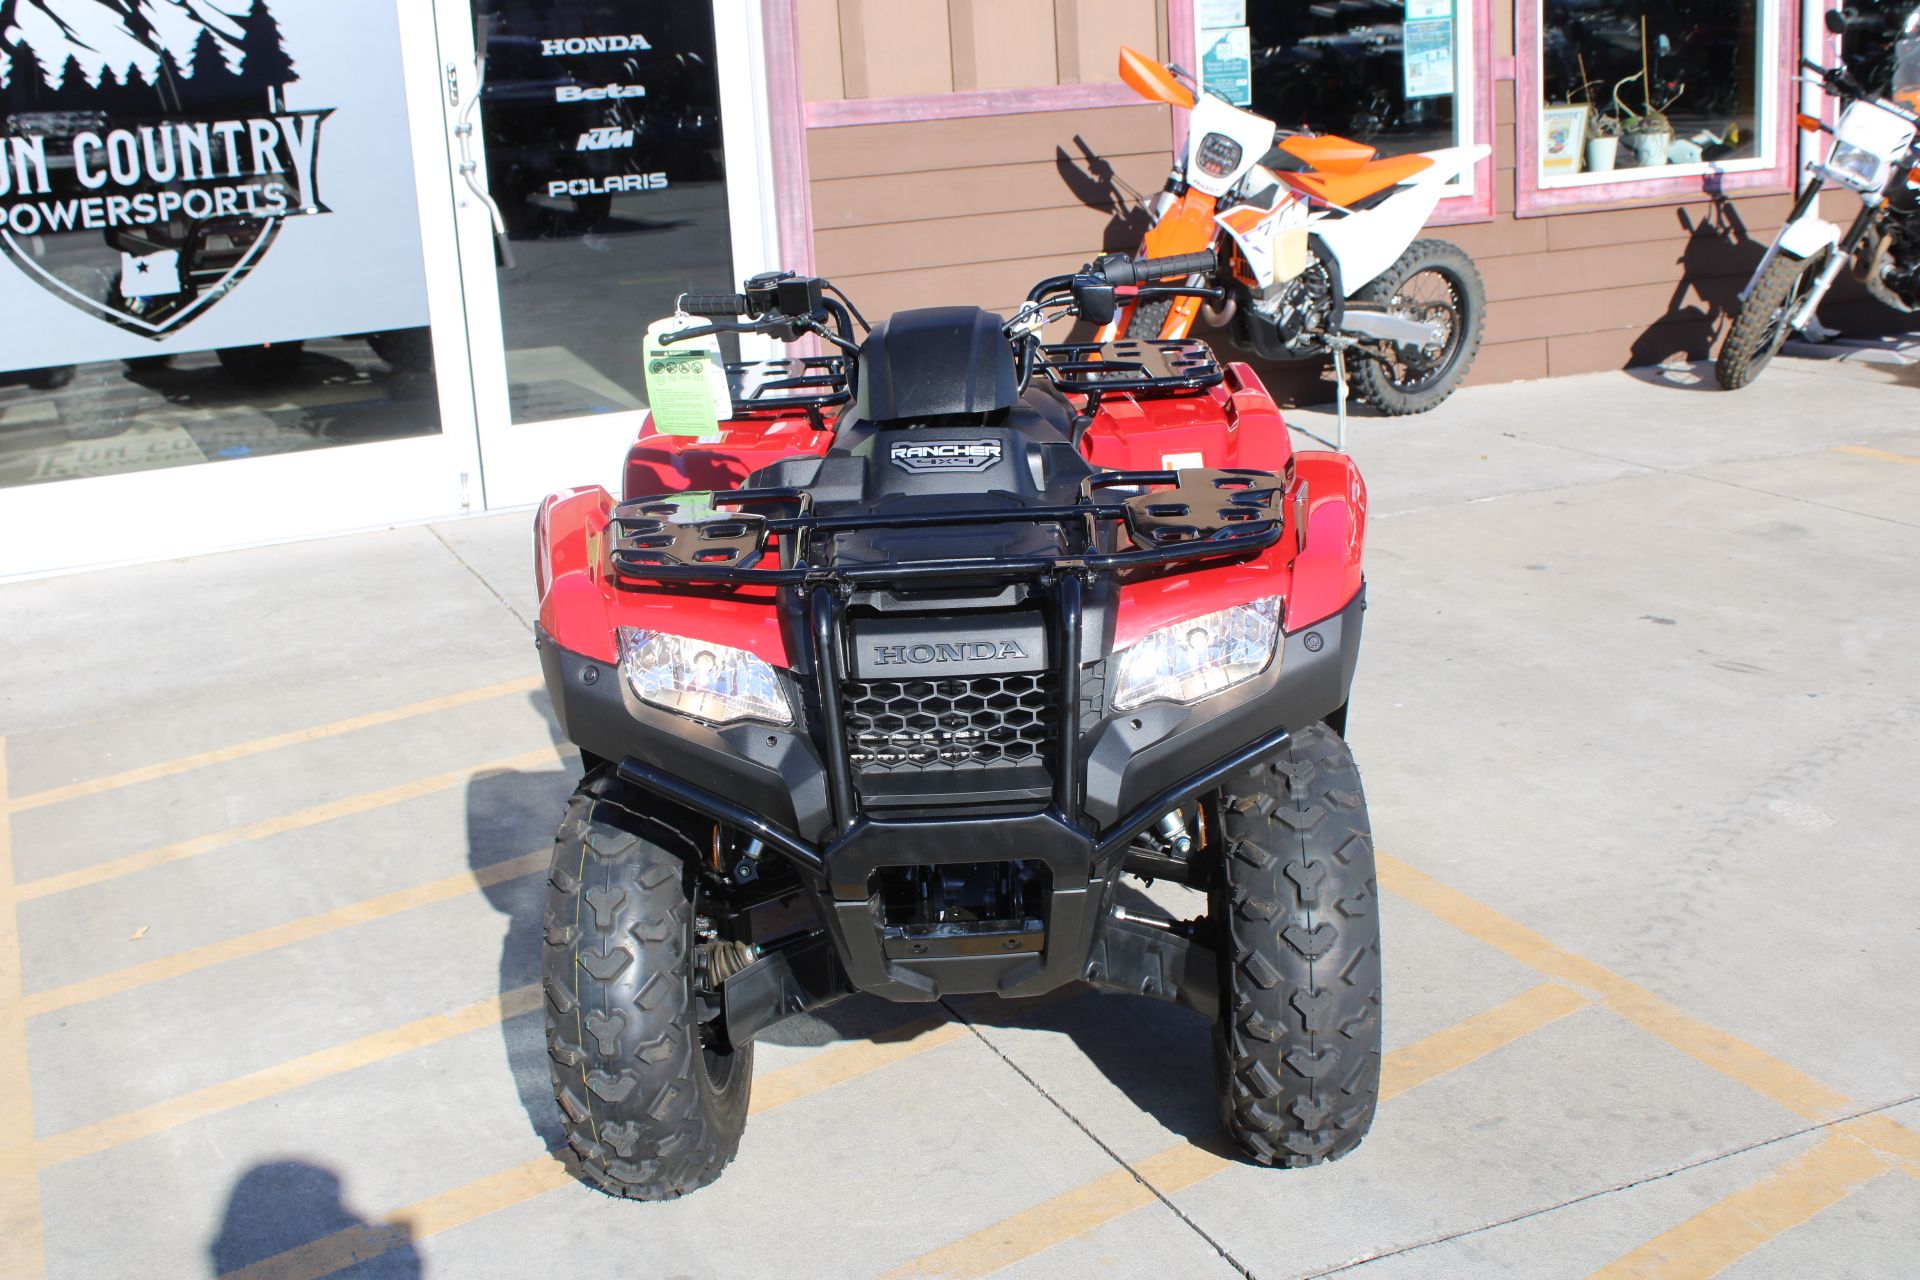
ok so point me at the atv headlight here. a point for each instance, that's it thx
(1201, 656)
(711, 682)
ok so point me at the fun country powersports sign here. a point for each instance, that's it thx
(155, 156)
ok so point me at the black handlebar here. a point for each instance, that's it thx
(1119, 271)
(714, 304)
(1839, 80)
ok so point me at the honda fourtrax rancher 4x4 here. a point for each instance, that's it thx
(892, 681)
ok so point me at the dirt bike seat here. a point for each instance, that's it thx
(1350, 188)
(1328, 152)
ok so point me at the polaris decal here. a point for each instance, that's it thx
(920, 655)
(945, 455)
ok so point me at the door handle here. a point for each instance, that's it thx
(469, 168)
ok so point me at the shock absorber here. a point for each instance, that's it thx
(1172, 830)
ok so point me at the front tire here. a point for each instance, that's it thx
(653, 1107)
(1435, 280)
(1147, 319)
(1297, 1044)
(1760, 327)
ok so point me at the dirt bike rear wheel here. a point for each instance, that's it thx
(1761, 325)
(1433, 279)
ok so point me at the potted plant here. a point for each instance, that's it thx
(1603, 128)
(1648, 131)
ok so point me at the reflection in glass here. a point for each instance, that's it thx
(71, 422)
(1341, 69)
(602, 124)
(1680, 79)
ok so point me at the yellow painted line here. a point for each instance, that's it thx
(550, 1170)
(1878, 455)
(1728, 1054)
(282, 935)
(1075, 1212)
(181, 850)
(837, 1066)
(20, 1230)
(240, 751)
(1478, 1036)
(266, 1083)
(1719, 1236)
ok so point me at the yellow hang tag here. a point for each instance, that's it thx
(686, 380)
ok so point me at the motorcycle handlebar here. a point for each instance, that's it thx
(714, 304)
(1122, 272)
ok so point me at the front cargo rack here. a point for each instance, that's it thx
(1171, 517)
(1133, 366)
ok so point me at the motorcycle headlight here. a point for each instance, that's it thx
(1193, 659)
(1855, 166)
(711, 682)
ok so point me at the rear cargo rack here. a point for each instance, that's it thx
(1133, 366)
(1171, 517)
(788, 384)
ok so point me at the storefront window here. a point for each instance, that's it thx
(604, 151)
(211, 238)
(1385, 74)
(1633, 90)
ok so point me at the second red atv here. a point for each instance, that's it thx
(889, 684)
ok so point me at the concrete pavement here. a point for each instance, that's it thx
(1638, 713)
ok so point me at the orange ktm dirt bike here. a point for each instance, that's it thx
(1316, 238)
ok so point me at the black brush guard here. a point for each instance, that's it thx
(1207, 515)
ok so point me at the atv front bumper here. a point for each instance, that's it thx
(1125, 770)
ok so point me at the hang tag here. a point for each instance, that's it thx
(686, 381)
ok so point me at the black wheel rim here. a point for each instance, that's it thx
(718, 1058)
(1432, 294)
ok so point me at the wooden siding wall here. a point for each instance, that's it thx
(977, 209)
(901, 48)
(973, 210)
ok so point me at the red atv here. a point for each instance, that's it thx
(889, 685)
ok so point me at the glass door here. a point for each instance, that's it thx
(610, 160)
(230, 306)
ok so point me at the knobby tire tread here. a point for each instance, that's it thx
(1297, 1045)
(640, 1108)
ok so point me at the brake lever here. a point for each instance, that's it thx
(1149, 293)
(705, 330)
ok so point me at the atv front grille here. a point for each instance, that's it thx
(953, 723)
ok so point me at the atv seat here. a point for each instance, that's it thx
(1346, 189)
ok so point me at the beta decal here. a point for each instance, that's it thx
(577, 45)
(184, 154)
(605, 93)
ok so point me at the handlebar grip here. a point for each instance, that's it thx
(1180, 264)
(714, 304)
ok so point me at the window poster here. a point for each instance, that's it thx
(1427, 49)
(180, 175)
(1226, 64)
(1221, 13)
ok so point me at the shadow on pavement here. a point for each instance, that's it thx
(277, 1206)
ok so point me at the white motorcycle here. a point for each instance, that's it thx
(1316, 236)
(1873, 155)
